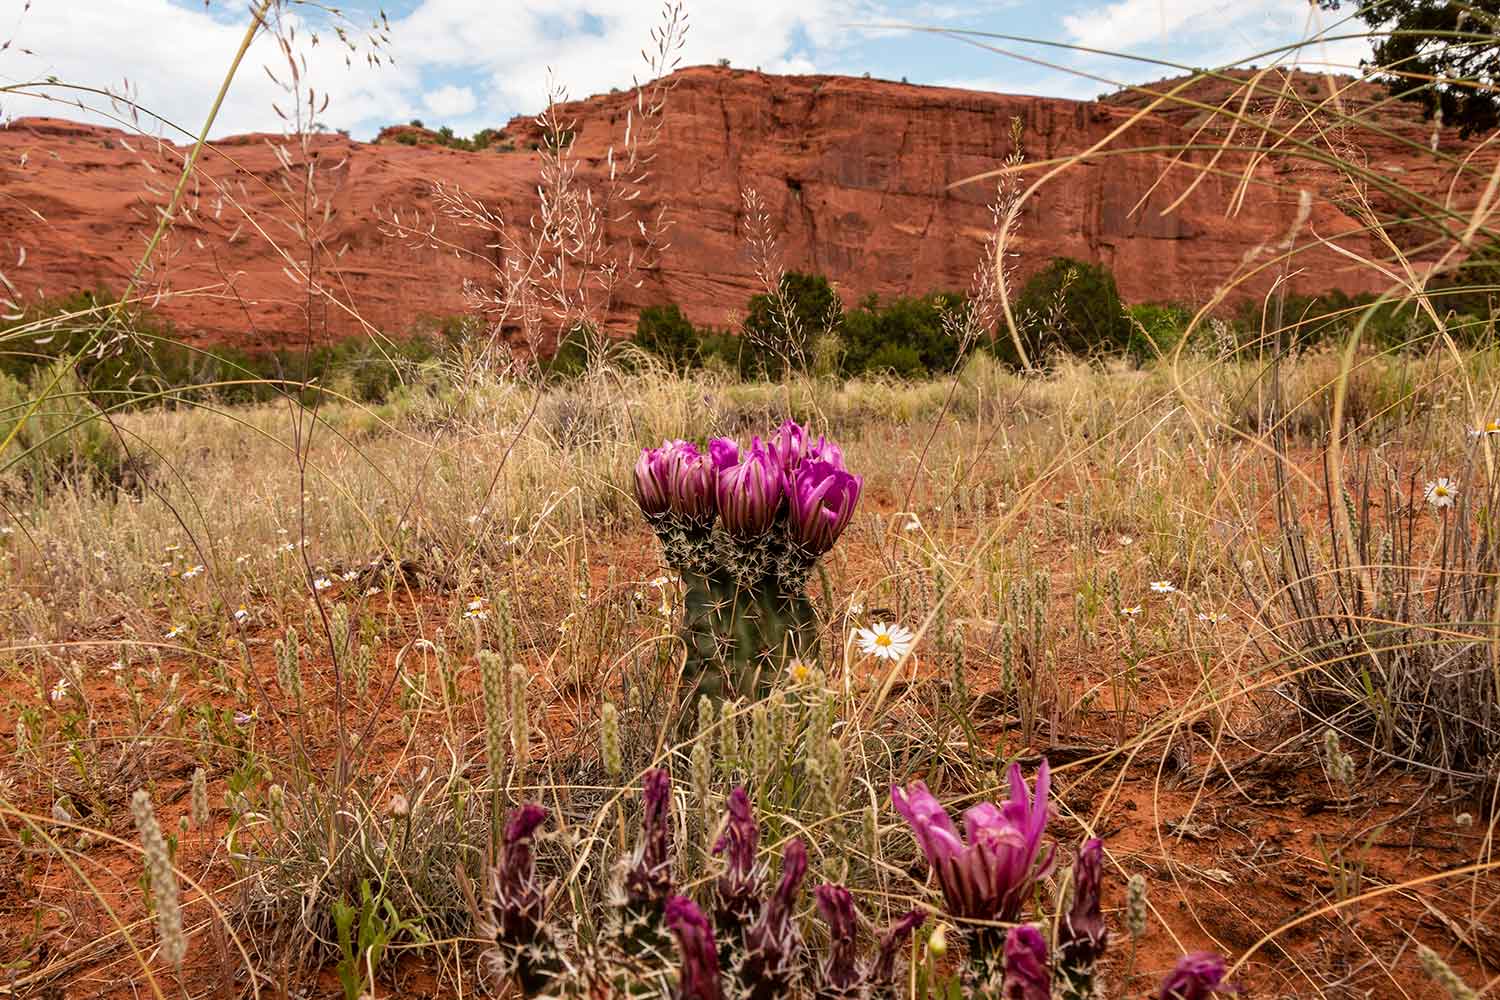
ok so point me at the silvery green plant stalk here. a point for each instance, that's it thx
(744, 528)
(162, 878)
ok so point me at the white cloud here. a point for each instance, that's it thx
(450, 101)
(466, 59)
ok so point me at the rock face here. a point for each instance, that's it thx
(862, 180)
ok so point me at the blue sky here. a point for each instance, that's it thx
(476, 63)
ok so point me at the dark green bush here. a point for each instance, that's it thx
(1156, 328)
(905, 336)
(780, 330)
(665, 332)
(1069, 306)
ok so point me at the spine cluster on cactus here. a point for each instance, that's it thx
(745, 527)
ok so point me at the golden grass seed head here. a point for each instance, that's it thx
(1136, 909)
(609, 740)
(161, 877)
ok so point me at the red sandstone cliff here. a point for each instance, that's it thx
(857, 175)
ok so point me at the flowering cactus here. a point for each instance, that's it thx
(990, 876)
(1081, 934)
(744, 527)
(840, 974)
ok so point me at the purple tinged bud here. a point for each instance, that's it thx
(891, 943)
(1197, 976)
(772, 945)
(743, 881)
(1026, 975)
(1083, 935)
(648, 882)
(515, 899)
(724, 452)
(840, 973)
(749, 494)
(821, 499)
(699, 977)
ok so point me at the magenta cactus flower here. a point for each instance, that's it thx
(821, 499)
(789, 445)
(1026, 972)
(1197, 976)
(724, 452)
(990, 876)
(773, 944)
(648, 882)
(653, 472)
(690, 487)
(699, 976)
(826, 451)
(514, 906)
(1082, 934)
(749, 494)
(743, 881)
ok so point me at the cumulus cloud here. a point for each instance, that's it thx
(450, 101)
(459, 59)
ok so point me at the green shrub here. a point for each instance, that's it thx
(1069, 306)
(64, 436)
(1156, 329)
(906, 336)
(781, 329)
(665, 332)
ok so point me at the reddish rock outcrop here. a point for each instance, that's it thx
(861, 178)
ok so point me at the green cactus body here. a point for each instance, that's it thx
(739, 638)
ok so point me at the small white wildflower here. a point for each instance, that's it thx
(1212, 618)
(372, 591)
(913, 523)
(1490, 428)
(661, 581)
(192, 571)
(1441, 492)
(59, 690)
(322, 583)
(1131, 612)
(241, 615)
(856, 609)
(175, 631)
(1162, 587)
(1126, 541)
(887, 642)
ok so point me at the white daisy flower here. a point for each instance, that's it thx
(477, 604)
(1162, 587)
(856, 608)
(192, 571)
(887, 642)
(1490, 428)
(1441, 492)
(59, 690)
(478, 616)
(913, 523)
(322, 583)
(372, 591)
(1213, 618)
(173, 547)
(241, 615)
(350, 576)
(1126, 541)
(175, 631)
(1131, 612)
(661, 581)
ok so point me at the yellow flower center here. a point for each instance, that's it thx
(882, 640)
(1441, 491)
